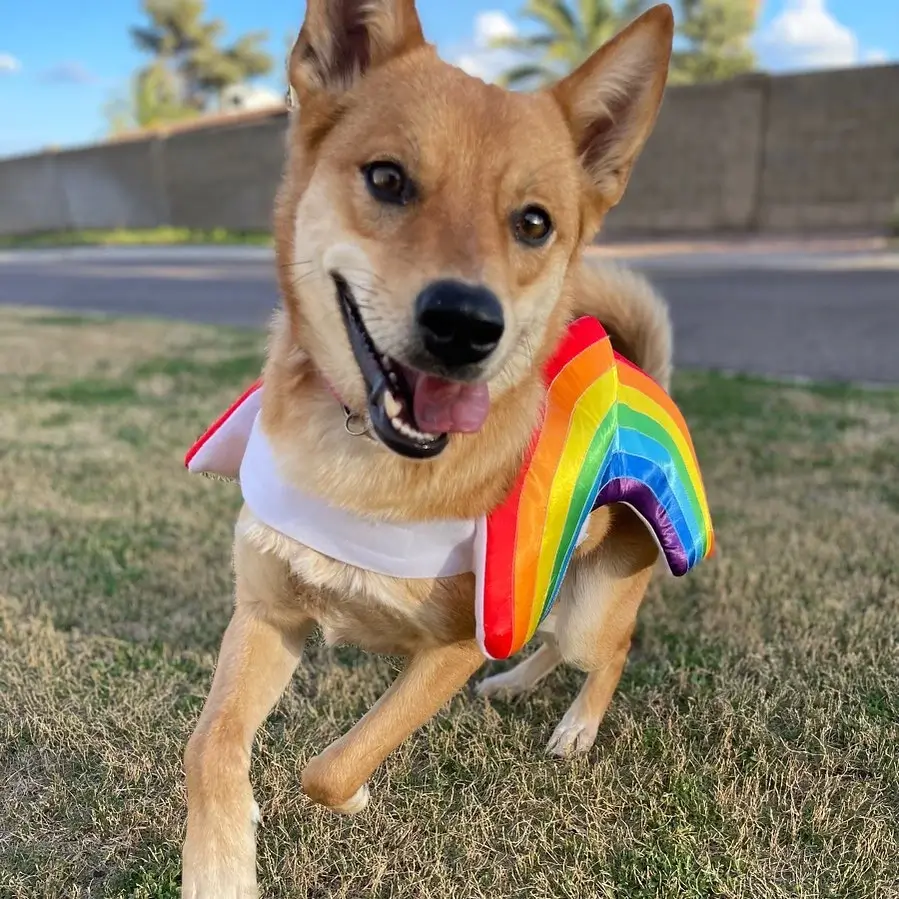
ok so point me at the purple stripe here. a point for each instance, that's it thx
(639, 495)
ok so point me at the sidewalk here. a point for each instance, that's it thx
(765, 244)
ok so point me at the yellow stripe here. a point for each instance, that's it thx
(591, 408)
(564, 392)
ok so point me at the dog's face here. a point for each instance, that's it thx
(427, 220)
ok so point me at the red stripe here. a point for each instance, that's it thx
(499, 575)
(581, 333)
(220, 421)
(502, 523)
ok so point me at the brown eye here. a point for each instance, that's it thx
(532, 226)
(388, 183)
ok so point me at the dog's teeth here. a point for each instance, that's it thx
(403, 428)
(409, 431)
(392, 407)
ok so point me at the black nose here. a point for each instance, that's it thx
(460, 324)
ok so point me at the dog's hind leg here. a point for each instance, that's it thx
(577, 730)
(259, 653)
(597, 615)
(525, 675)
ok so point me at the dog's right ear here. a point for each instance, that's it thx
(342, 39)
(611, 101)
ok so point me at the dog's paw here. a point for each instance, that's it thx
(357, 803)
(219, 884)
(218, 862)
(504, 685)
(573, 736)
(323, 783)
(217, 873)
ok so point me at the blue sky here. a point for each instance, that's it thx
(61, 62)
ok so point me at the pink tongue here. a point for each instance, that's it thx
(442, 406)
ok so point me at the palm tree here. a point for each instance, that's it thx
(569, 33)
(188, 45)
(716, 38)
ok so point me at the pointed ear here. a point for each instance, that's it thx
(342, 39)
(612, 100)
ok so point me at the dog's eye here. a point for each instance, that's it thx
(388, 183)
(532, 225)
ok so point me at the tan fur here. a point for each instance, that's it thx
(359, 72)
(632, 312)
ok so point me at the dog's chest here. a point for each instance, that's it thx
(372, 610)
(355, 586)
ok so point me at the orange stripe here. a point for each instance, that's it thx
(641, 381)
(563, 395)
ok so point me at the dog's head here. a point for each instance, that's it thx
(427, 220)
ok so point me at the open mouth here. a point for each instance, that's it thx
(390, 385)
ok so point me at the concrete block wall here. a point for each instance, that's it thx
(810, 152)
(699, 169)
(221, 176)
(831, 151)
(225, 177)
(114, 186)
(31, 195)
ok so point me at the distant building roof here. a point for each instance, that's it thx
(240, 97)
(210, 120)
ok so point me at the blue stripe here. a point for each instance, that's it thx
(635, 443)
(634, 465)
(644, 459)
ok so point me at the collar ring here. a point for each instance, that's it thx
(354, 423)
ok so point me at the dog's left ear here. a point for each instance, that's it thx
(342, 39)
(612, 100)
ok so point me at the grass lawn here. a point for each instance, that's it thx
(751, 750)
(133, 237)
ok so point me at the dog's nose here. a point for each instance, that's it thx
(460, 324)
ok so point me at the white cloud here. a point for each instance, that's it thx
(876, 57)
(480, 57)
(9, 64)
(492, 26)
(806, 36)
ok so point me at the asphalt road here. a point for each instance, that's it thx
(820, 315)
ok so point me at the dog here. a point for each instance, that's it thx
(430, 235)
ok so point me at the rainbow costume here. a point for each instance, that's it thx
(609, 434)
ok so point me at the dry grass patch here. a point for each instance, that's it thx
(750, 751)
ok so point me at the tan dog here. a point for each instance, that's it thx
(430, 231)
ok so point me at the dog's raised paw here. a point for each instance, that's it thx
(502, 686)
(573, 736)
(356, 803)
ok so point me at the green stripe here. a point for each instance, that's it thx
(620, 415)
(593, 460)
(638, 421)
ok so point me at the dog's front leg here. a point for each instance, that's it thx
(338, 776)
(259, 653)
